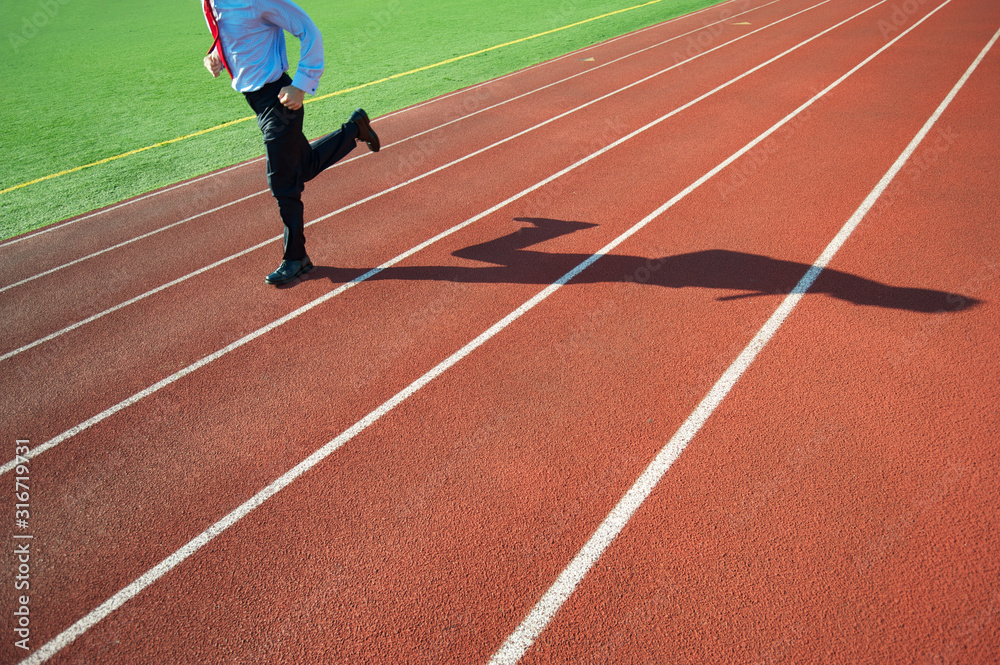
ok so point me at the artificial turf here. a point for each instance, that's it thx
(87, 80)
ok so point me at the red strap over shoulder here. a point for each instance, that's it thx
(214, 27)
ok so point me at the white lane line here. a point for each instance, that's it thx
(393, 188)
(56, 227)
(584, 49)
(123, 244)
(394, 144)
(70, 222)
(107, 413)
(528, 631)
(98, 614)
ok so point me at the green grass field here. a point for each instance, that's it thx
(87, 80)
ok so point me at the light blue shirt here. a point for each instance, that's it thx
(253, 41)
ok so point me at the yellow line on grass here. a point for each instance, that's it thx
(331, 94)
(485, 50)
(124, 154)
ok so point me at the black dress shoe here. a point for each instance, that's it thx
(365, 131)
(289, 270)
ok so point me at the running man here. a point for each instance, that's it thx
(250, 46)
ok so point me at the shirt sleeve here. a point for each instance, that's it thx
(286, 15)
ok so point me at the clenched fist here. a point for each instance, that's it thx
(291, 97)
(213, 63)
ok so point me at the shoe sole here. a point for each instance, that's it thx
(374, 145)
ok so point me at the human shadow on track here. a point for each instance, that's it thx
(720, 269)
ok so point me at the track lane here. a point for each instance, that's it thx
(847, 518)
(494, 368)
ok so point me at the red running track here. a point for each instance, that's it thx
(399, 457)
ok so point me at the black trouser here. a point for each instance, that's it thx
(291, 160)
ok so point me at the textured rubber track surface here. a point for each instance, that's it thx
(839, 506)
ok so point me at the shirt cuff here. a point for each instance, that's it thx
(305, 82)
